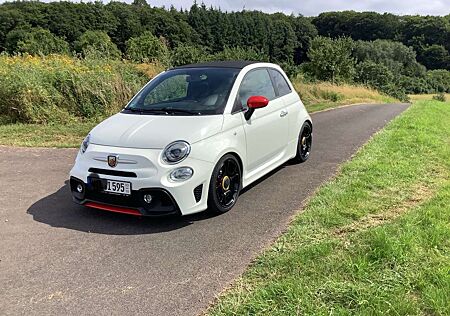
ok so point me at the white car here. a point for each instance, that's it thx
(191, 139)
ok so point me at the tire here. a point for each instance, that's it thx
(304, 143)
(225, 185)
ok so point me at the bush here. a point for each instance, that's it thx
(187, 54)
(147, 48)
(238, 53)
(38, 41)
(438, 80)
(60, 89)
(331, 59)
(439, 97)
(97, 45)
(374, 75)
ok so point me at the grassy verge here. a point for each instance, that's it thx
(374, 241)
(324, 95)
(316, 97)
(43, 135)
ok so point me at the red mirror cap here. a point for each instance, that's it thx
(257, 101)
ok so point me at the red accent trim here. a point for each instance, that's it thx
(115, 209)
(257, 102)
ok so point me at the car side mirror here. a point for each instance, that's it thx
(253, 103)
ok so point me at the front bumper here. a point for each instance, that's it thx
(147, 174)
(93, 196)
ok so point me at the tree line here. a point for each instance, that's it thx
(397, 54)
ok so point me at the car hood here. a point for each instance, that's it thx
(154, 131)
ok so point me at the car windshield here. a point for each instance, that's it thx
(186, 91)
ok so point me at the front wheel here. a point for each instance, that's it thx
(225, 185)
(304, 143)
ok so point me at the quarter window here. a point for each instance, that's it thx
(256, 82)
(280, 82)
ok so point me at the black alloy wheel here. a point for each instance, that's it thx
(225, 184)
(304, 143)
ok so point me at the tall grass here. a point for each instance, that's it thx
(62, 89)
(321, 95)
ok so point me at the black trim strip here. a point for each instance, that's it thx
(117, 173)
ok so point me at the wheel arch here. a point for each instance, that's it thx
(310, 124)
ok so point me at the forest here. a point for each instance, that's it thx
(397, 55)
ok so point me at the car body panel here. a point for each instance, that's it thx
(154, 131)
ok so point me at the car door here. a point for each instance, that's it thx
(267, 129)
(291, 100)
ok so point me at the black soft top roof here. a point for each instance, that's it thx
(238, 64)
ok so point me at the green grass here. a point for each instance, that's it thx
(72, 133)
(42, 135)
(374, 241)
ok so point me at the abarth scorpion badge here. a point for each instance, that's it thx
(112, 160)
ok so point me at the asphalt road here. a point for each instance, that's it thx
(57, 258)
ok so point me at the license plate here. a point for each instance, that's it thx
(118, 187)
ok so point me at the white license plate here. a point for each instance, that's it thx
(118, 187)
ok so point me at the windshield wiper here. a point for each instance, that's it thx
(172, 111)
(150, 111)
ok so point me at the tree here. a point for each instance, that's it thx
(400, 59)
(188, 54)
(331, 59)
(39, 41)
(238, 53)
(282, 42)
(374, 75)
(147, 48)
(97, 44)
(435, 57)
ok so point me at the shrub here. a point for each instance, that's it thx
(187, 54)
(239, 53)
(331, 59)
(59, 89)
(397, 57)
(35, 41)
(439, 80)
(439, 97)
(374, 75)
(147, 48)
(96, 45)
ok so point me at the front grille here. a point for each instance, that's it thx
(117, 173)
(198, 193)
(162, 203)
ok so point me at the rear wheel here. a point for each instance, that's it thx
(304, 143)
(225, 185)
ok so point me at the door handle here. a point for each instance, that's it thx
(283, 113)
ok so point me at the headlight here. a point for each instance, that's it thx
(181, 174)
(176, 152)
(85, 144)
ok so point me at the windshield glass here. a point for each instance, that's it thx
(190, 91)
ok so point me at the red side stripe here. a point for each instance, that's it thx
(115, 209)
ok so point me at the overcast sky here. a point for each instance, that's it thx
(314, 7)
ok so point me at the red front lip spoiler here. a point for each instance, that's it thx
(115, 209)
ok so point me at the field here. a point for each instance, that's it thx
(374, 241)
(54, 101)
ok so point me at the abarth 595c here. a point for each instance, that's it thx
(191, 139)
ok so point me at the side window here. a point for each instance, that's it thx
(256, 82)
(280, 82)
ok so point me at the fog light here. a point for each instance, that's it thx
(79, 188)
(181, 174)
(148, 198)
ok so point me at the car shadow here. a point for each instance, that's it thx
(58, 210)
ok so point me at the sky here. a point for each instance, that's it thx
(314, 7)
